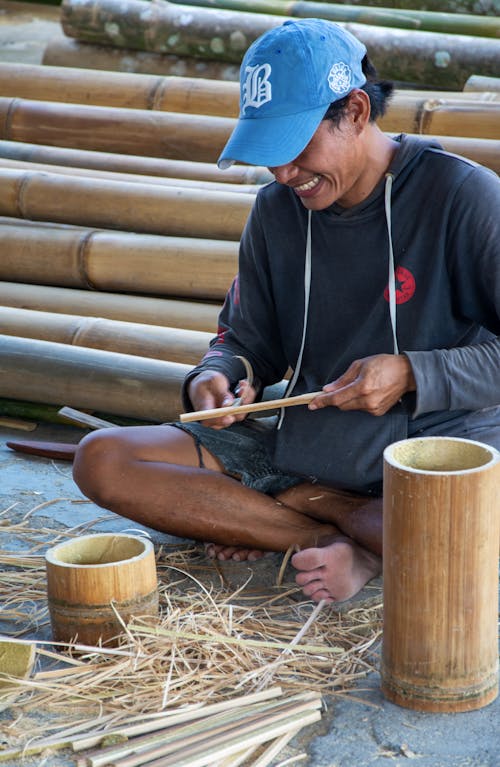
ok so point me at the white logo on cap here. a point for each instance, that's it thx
(340, 77)
(257, 86)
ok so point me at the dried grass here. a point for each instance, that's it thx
(211, 643)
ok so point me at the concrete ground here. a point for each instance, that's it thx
(360, 730)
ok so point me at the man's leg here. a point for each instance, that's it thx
(152, 475)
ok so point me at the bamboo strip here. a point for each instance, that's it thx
(130, 178)
(192, 315)
(176, 718)
(123, 163)
(162, 343)
(118, 261)
(133, 207)
(254, 407)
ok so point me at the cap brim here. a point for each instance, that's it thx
(271, 141)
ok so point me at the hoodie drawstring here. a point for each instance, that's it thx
(307, 289)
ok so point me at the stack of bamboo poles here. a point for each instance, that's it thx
(119, 234)
(436, 49)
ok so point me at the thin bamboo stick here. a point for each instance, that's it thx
(124, 163)
(255, 407)
(132, 207)
(118, 261)
(192, 315)
(169, 344)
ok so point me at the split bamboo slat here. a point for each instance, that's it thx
(139, 208)
(124, 163)
(174, 135)
(129, 178)
(117, 261)
(160, 343)
(440, 639)
(430, 58)
(66, 52)
(190, 315)
(91, 379)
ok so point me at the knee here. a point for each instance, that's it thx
(99, 462)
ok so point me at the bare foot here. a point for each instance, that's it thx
(335, 572)
(236, 553)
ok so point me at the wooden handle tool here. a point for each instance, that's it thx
(254, 407)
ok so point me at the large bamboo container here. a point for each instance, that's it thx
(129, 178)
(122, 163)
(66, 52)
(155, 341)
(441, 533)
(198, 138)
(192, 315)
(142, 208)
(93, 579)
(119, 384)
(117, 261)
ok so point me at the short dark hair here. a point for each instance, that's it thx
(379, 92)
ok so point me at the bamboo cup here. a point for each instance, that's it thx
(93, 578)
(441, 531)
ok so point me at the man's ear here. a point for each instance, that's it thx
(359, 109)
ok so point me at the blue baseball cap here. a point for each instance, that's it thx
(288, 78)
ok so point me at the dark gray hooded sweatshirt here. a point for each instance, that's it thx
(414, 269)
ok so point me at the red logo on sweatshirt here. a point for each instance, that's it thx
(405, 285)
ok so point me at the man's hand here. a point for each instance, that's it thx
(373, 384)
(210, 389)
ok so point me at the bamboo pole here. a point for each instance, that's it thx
(403, 18)
(132, 207)
(123, 163)
(486, 7)
(129, 178)
(157, 342)
(118, 384)
(66, 52)
(405, 55)
(455, 117)
(118, 261)
(476, 83)
(74, 125)
(484, 151)
(196, 138)
(441, 528)
(188, 95)
(191, 315)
